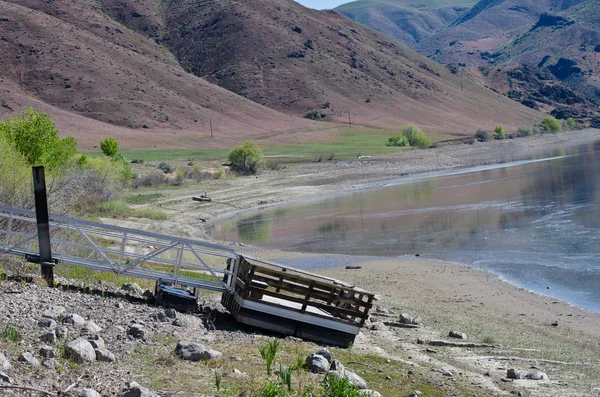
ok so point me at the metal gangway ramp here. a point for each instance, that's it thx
(128, 252)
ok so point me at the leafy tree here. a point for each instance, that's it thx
(500, 134)
(397, 140)
(247, 158)
(34, 135)
(550, 124)
(415, 136)
(109, 147)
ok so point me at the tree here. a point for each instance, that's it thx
(34, 135)
(246, 158)
(415, 136)
(550, 124)
(500, 134)
(109, 147)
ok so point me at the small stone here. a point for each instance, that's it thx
(378, 326)
(74, 319)
(371, 393)
(97, 342)
(235, 358)
(105, 355)
(48, 337)
(51, 363)
(80, 350)
(186, 321)
(554, 324)
(336, 365)
(137, 331)
(133, 289)
(236, 373)
(47, 323)
(446, 372)
(62, 332)
(406, 319)
(171, 313)
(48, 352)
(53, 312)
(91, 328)
(417, 320)
(513, 374)
(381, 309)
(159, 316)
(4, 363)
(29, 359)
(119, 305)
(5, 378)
(536, 375)
(387, 377)
(135, 390)
(87, 393)
(325, 353)
(195, 352)
(457, 335)
(353, 378)
(317, 364)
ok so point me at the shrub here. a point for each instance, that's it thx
(397, 140)
(481, 135)
(571, 123)
(109, 147)
(247, 158)
(164, 167)
(149, 180)
(313, 114)
(500, 134)
(550, 124)
(11, 333)
(524, 130)
(415, 136)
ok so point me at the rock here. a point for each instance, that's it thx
(119, 305)
(235, 373)
(48, 352)
(171, 313)
(353, 267)
(446, 371)
(353, 378)
(405, 319)
(195, 351)
(186, 321)
(87, 393)
(317, 364)
(97, 342)
(536, 375)
(554, 324)
(378, 326)
(133, 289)
(90, 328)
(62, 332)
(416, 320)
(325, 353)
(104, 355)
(381, 309)
(336, 365)
(135, 390)
(4, 363)
(138, 331)
(235, 358)
(457, 335)
(513, 374)
(47, 323)
(371, 393)
(74, 319)
(48, 337)
(159, 316)
(81, 350)
(54, 312)
(29, 359)
(5, 378)
(51, 363)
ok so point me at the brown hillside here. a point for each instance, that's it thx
(108, 67)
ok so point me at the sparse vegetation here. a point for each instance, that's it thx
(268, 353)
(397, 140)
(313, 114)
(415, 136)
(120, 209)
(524, 130)
(550, 124)
(500, 134)
(11, 333)
(247, 158)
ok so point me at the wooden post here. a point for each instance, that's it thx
(349, 120)
(211, 131)
(43, 225)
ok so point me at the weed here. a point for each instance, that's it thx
(11, 333)
(334, 386)
(218, 380)
(142, 198)
(268, 352)
(285, 376)
(271, 389)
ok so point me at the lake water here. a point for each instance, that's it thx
(536, 222)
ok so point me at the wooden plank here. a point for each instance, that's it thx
(307, 296)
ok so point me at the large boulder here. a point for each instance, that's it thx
(325, 353)
(195, 351)
(138, 331)
(353, 378)
(186, 321)
(104, 355)
(133, 289)
(74, 319)
(317, 364)
(29, 359)
(80, 350)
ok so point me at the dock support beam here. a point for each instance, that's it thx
(43, 224)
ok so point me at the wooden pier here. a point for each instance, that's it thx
(293, 302)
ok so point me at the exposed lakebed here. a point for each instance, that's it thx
(535, 222)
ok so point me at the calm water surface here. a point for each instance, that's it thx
(536, 223)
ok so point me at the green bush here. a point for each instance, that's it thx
(524, 130)
(246, 158)
(550, 124)
(571, 123)
(313, 114)
(397, 140)
(415, 136)
(165, 167)
(109, 147)
(500, 134)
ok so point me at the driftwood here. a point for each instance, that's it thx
(461, 344)
(400, 325)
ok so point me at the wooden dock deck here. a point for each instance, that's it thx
(293, 302)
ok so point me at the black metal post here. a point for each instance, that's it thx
(43, 224)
